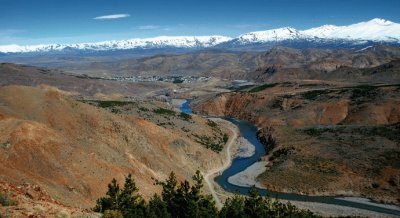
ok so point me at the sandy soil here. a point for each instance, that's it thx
(245, 148)
(249, 176)
(367, 201)
(336, 210)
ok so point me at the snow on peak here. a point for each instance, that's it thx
(374, 30)
(269, 35)
(380, 21)
(321, 32)
(156, 42)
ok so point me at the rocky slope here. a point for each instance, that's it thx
(28, 200)
(73, 149)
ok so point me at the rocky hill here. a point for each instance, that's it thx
(330, 139)
(73, 149)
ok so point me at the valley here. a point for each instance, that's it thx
(310, 117)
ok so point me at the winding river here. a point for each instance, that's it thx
(248, 131)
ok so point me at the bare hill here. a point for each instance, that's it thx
(73, 149)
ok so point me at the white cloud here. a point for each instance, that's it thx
(112, 16)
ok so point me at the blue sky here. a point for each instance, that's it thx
(27, 22)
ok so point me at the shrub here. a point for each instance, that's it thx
(177, 80)
(263, 87)
(164, 111)
(185, 116)
(314, 131)
(112, 214)
(143, 109)
(6, 200)
(363, 91)
(312, 95)
(209, 143)
(225, 138)
(106, 104)
(212, 123)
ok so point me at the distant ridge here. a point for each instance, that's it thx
(375, 31)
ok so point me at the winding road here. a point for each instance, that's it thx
(208, 177)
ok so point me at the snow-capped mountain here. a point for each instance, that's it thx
(280, 34)
(355, 35)
(375, 31)
(157, 42)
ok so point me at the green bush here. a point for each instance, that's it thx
(212, 123)
(106, 104)
(363, 91)
(112, 214)
(6, 200)
(185, 116)
(314, 131)
(263, 87)
(225, 138)
(143, 109)
(177, 80)
(312, 95)
(164, 111)
(241, 88)
(210, 143)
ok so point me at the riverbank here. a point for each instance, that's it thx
(248, 177)
(209, 177)
(243, 172)
(244, 148)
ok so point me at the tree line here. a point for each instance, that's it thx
(184, 200)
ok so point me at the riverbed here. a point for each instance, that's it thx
(248, 131)
(239, 164)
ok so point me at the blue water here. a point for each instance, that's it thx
(248, 131)
(185, 107)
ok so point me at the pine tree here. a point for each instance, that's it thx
(112, 201)
(186, 201)
(130, 202)
(157, 208)
(254, 204)
(233, 207)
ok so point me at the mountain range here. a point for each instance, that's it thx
(372, 32)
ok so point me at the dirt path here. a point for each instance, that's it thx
(209, 176)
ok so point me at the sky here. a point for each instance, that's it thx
(27, 22)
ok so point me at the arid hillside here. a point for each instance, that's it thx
(329, 139)
(73, 149)
(14, 74)
(275, 64)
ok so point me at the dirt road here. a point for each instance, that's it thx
(209, 176)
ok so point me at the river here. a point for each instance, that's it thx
(248, 131)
